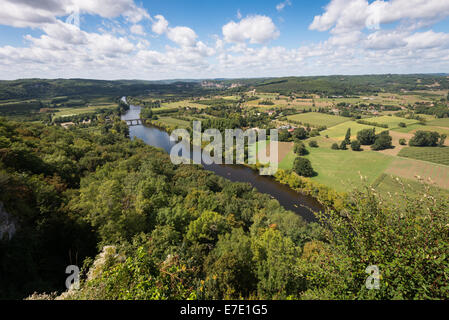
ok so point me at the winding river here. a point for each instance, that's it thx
(288, 198)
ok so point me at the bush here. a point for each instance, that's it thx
(383, 141)
(303, 167)
(335, 146)
(300, 149)
(402, 142)
(343, 145)
(367, 137)
(313, 144)
(402, 125)
(424, 139)
(356, 146)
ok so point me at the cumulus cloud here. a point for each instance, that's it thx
(30, 13)
(182, 36)
(160, 25)
(349, 15)
(257, 29)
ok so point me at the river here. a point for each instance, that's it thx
(288, 198)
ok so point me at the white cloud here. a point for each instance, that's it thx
(350, 15)
(257, 29)
(182, 36)
(137, 29)
(30, 13)
(160, 26)
(282, 5)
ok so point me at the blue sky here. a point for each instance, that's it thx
(127, 39)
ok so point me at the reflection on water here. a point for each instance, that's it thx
(287, 197)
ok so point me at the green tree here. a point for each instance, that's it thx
(367, 137)
(348, 136)
(303, 167)
(383, 141)
(300, 149)
(356, 146)
(424, 139)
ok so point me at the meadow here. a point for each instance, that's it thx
(338, 132)
(318, 119)
(71, 111)
(391, 121)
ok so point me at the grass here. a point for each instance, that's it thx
(172, 122)
(390, 187)
(430, 154)
(318, 119)
(180, 104)
(415, 127)
(412, 168)
(392, 122)
(65, 112)
(338, 132)
(444, 122)
(342, 170)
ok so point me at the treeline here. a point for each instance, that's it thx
(43, 88)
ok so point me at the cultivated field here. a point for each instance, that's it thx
(410, 169)
(318, 119)
(391, 121)
(431, 154)
(338, 132)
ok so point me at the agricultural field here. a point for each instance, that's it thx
(338, 132)
(342, 169)
(173, 122)
(430, 154)
(411, 169)
(444, 122)
(391, 186)
(65, 112)
(318, 119)
(420, 127)
(391, 121)
(180, 104)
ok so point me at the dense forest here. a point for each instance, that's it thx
(143, 228)
(42, 88)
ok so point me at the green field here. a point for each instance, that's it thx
(316, 119)
(391, 121)
(180, 104)
(444, 122)
(65, 112)
(430, 154)
(390, 186)
(339, 131)
(340, 169)
(172, 122)
(415, 127)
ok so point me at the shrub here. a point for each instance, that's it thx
(383, 141)
(424, 139)
(303, 167)
(367, 137)
(402, 125)
(313, 144)
(335, 146)
(402, 142)
(356, 146)
(300, 149)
